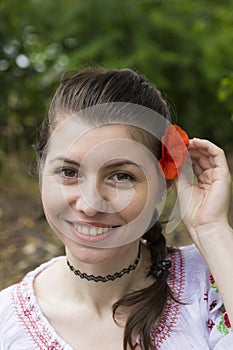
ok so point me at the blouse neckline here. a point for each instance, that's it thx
(44, 336)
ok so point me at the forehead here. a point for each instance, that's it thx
(101, 134)
(75, 140)
(72, 134)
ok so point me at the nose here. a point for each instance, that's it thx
(90, 201)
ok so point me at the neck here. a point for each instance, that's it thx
(57, 284)
(98, 294)
(109, 277)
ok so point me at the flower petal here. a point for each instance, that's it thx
(174, 151)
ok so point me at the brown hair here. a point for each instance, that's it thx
(90, 88)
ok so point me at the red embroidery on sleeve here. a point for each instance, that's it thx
(212, 305)
(210, 324)
(206, 296)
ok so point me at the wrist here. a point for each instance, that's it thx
(212, 235)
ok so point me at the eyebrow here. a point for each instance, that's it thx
(66, 160)
(122, 163)
(112, 165)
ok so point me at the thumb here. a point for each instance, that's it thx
(184, 192)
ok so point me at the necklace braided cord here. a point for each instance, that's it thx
(107, 278)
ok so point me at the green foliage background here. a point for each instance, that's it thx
(184, 47)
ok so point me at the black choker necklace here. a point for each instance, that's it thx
(108, 277)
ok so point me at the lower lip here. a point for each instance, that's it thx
(88, 238)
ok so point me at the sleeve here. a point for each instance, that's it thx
(12, 336)
(218, 324)
(204, 302)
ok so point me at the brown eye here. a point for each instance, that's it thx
(69, 173)
(122, 179)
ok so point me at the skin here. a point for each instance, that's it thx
(102, 179)
(81, 304)
(63, 201)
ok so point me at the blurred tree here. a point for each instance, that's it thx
(183, 46)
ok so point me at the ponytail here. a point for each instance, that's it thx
(149, 303)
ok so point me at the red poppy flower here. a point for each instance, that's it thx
(174, 151)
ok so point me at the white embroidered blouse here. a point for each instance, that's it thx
(201, 324)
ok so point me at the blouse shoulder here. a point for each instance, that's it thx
(202, 301)
(5, 300)
(9, 327)
(195, 267)
(193, 258)
(5, 305)
(17, 308)
(189, 271)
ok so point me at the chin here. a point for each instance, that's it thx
(91, 255)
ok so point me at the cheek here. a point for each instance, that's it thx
(136, 205)
(52, 196)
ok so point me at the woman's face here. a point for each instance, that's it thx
(99, 187)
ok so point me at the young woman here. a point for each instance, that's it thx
(107, 155)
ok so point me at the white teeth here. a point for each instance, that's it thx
(85, 230)
(100, 230)
(92, 230)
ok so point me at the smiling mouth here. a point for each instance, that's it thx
(93, 230)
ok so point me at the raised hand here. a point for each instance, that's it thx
(209, 203)
(206, 213)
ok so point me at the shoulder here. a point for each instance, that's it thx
(189, 273)
(16, 305)
(8, 319)
(200, 319)
(187, 285)
(197, 272)
(5, 300)
(190, 260)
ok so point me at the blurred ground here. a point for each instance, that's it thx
(26, 240)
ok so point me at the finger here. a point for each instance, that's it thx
(203, 176)
(198, 151)
(216, 155)
(203, 163)
(204, 145)
(197, 169)
(203, 158)
(203, 153)
(208, 148)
